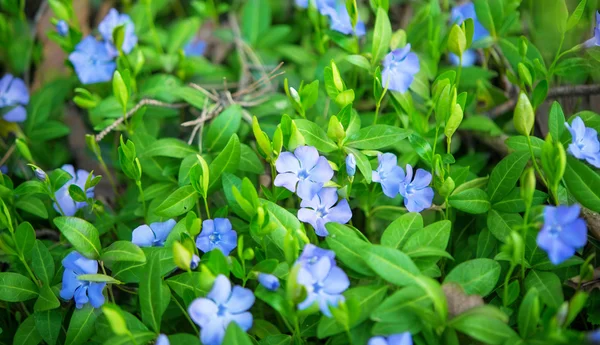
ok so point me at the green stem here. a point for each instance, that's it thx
(110, 292)
(138, 183)
(556, 57)
(386, 207)
(206, 208)
(377, 106)
(35, 280)
(533, 159)
(108, 174)
(185, 313)
(273, 173)
(506, 279)
(458, 72)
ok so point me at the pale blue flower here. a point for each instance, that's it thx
(340, 20)
(563, 232)
(269, 281)
(14, 96)
(399, 69)
(154, 235)
(324, 283)
(63, 198)
(62, 28)
(92, 61)
(469, 58)
(320, 4)
(584, 144)
(416, 192)
(388, 174)
(217, 234)
(221, 306)
(595, 41)
(311, 254)
(350, 165)
(83, 291)
(465, 11)
(303, 172)
(40, 174)
(194, 47)
(112, 20)
(320, 210)
(162, 340)
(394, 339)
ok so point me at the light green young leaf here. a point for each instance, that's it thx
(81, 234)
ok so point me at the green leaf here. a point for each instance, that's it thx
(123, 251)
(548, 285)
(486, 242)
(506, 174)
(99, 278)
(484, 15)
(153, 293)
(42, 262)
(529, 313)
(27, 333)
(236, 336)
(500, 224)
(256, 20)
(47, 300)
(519, 143)
(181, 33)
(391, 265)
(398, 306)
(400, 230)
(81, 234)
(177, 203)
(484, 328)
(48, 325)
(81, 326)
(382, 34)
(474, 201)
(227, 161)
(348, 247)
(168, 147)
(32, 205)
(477, 277)
(376, 137)
(315, 136)
(25, 239)
(556, 121)
(190, 286)
(222, 128)
(434, 235)
(16, 288)
(583, 183)
(249, 161)
(359, 61)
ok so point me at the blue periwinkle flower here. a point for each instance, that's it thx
(40, 174)
(324, 283)
(563, 232)
(320, 210)
(595, 41)
(4, 169)
(195, 262)
(62, 28)
(217, 234)
(112, 20)
(153, 235)
(465, 11)
(350, 165)
(221, 306)
(63, 198)
(389, 174)
(269, 281)
(83, 291)
(14, 96)
(468, 59)
(194, 47)
(311, 254)
(303, 172)
(416, 192)
(321, 5)
(340, 20)
(585, 144)
(162, 340)
(399, 69)
(92, 61)
(394, 339)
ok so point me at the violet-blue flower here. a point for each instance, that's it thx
(68, 206)
(269, 281)
(221, 306)
(468, 59)
(399, 69)
(584, 144)
(563, 232)
(324, 283)
(14, 96)
(83, 291)
(92, 61)
(388, 174)
(416, 192)
(195, 47)
(153, 235)
(112, 20)
(340, 20)
(595, 41)
(320, 4)
(311, 254)
(303, 172)
(62, 28)
(350, 165)
(217, 234)
(320, 210)
(394, 339)
(162, 340)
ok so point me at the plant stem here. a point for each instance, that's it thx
(110, 292)
(206, 208)
(108, 174)
(185, 313)
(506, 279)
(155, 38)
(138, 183)
(533, 159)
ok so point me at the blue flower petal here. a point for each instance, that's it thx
(95, 294)
(143, 236)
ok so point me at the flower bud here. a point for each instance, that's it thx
(195, 262)
(457, 42)
(62, 28)
(269, 281)
(248, 254)
(350, 165)
(454, 120)
(524, 117)
(337, 78)
(528, 186)
(182, 257)
(335, 130)
(447, 187)
(294, 94)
